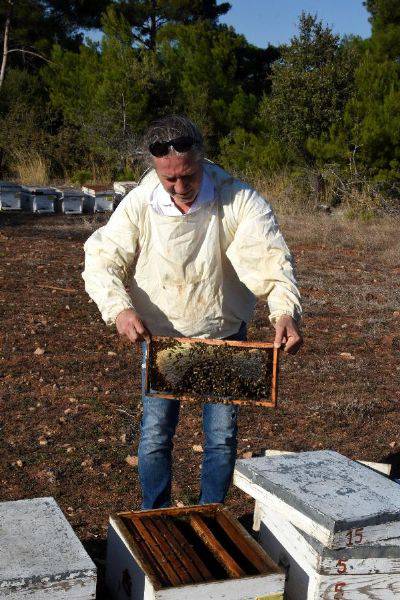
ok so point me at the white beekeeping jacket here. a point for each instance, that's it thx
(196, 274)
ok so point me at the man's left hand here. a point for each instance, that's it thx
(287, 334)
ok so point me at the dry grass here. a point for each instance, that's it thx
(32, 168)
(306, 190)
(378, 238)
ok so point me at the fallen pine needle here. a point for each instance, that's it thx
(59, 289)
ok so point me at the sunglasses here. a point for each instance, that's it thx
(180, 144)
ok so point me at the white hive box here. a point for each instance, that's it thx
(10, 196)
(40, 556)
(199, 553)
(317, 573)
(121, 189)
(333, 499)
(37, 199)
(70, 200)
(98, 198)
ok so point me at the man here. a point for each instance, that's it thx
(203, 245)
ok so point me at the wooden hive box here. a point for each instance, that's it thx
(324, 494)
(37, 199)
(98, 198)
(316, 572)
(199, 553)
(10, 196)
(41, 558)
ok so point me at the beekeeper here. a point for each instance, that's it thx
(203, 246)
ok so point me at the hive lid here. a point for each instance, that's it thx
(38, 545)
(70, 192)
(325, 486)
(97, 189)
(38, 190)
(10, 187)
(123, 187)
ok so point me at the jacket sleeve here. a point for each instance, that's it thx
(108, 254)
(260, 256)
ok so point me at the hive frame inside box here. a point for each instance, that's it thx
(143, 547)
(319, 573)
(269, 403)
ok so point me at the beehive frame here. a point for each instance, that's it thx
(170, 559)
(270, 402)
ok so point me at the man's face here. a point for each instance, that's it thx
(180, 176)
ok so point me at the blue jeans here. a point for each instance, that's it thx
(160, 417)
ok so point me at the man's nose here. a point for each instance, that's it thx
(180, 186)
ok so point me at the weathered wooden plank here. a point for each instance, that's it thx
(226, 560)
(214, 342)
(383, 468)
(179, 556)
(191, 555)
(246, 544)
(311, 554)
(157, 529)
(264, 587)
(304, 583)
(206, 509)
(157, 551)
(126, 530)
(326, 495)
(40, 555)
(355, 587)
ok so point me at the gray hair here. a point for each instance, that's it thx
(169, 128)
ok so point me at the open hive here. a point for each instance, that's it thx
(200, 550)
(212, 370)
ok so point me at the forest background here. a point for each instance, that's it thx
(318, 118)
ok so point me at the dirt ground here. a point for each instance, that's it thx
(70, 390)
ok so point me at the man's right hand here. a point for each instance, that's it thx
(130, 326)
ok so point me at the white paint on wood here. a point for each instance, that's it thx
(383, 468)
(40, 555)
(326, 495)
(246, 588)
(356, 587)
(287, 512)
(126, 579)
(304, 583)
(362, 560)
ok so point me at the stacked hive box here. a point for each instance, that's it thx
(198, 552)
(10, 196)
(40, 556)
(121, 189)
(70, 200)
(98, 198)
(334, 523)
(36, 199)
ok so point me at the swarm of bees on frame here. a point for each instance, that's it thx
(213, 373)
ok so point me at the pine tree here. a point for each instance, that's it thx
(147, 17)
(310, 84)
(370, 132)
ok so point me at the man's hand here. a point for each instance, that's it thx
(287, 333)
(129, 325)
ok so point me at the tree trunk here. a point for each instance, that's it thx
(5, 42)
(153, 25)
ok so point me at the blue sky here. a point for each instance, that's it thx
(274, 21)
(265, 22)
